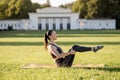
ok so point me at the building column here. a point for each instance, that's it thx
(50, 23)
(74, 21)
(49, 26)
(34, 21)
(64, 23)
(43, 23)
(57, 24)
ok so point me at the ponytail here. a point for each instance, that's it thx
(46, 38)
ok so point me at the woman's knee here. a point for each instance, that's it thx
(74, 47)
(72, 51)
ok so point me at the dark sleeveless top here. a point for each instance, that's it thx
(58, 49)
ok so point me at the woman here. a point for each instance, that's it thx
(63, 59)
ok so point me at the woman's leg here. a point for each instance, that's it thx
(67, 61)
(84, 49)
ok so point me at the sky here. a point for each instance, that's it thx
(54, 3)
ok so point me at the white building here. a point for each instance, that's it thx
(97, 24)
(23, 24)
(54, 18)
(57, 19)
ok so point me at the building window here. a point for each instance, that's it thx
(18, 25)
(10, 27)
(107, 24)
(54, 26)
(47, 26)
(68, 26)
(61, 26)
(39, 26)
(4, 25)
(1, 25)
(15, 25)
(11, 24)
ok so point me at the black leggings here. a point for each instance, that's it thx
(68, 60)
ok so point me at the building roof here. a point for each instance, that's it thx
(53, 10)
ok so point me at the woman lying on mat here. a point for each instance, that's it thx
(64, 59)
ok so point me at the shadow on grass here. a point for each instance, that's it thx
(114, 69)
(106, 69)
(67, 33)
(60, 35)
(60, 43)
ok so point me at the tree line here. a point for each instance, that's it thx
(18, 9)
(89, 9)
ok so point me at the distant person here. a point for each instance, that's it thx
(61, 58)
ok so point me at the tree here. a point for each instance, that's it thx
(45, 5)
(35, 6)
(48, 2)
(68, 5)
(3, 7)
(91, 9)
(81, 7)
(15, 9)
(11, 10)
(24, 7)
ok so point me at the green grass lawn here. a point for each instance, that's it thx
(21, 47)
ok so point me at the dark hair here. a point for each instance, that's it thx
(46, 38)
